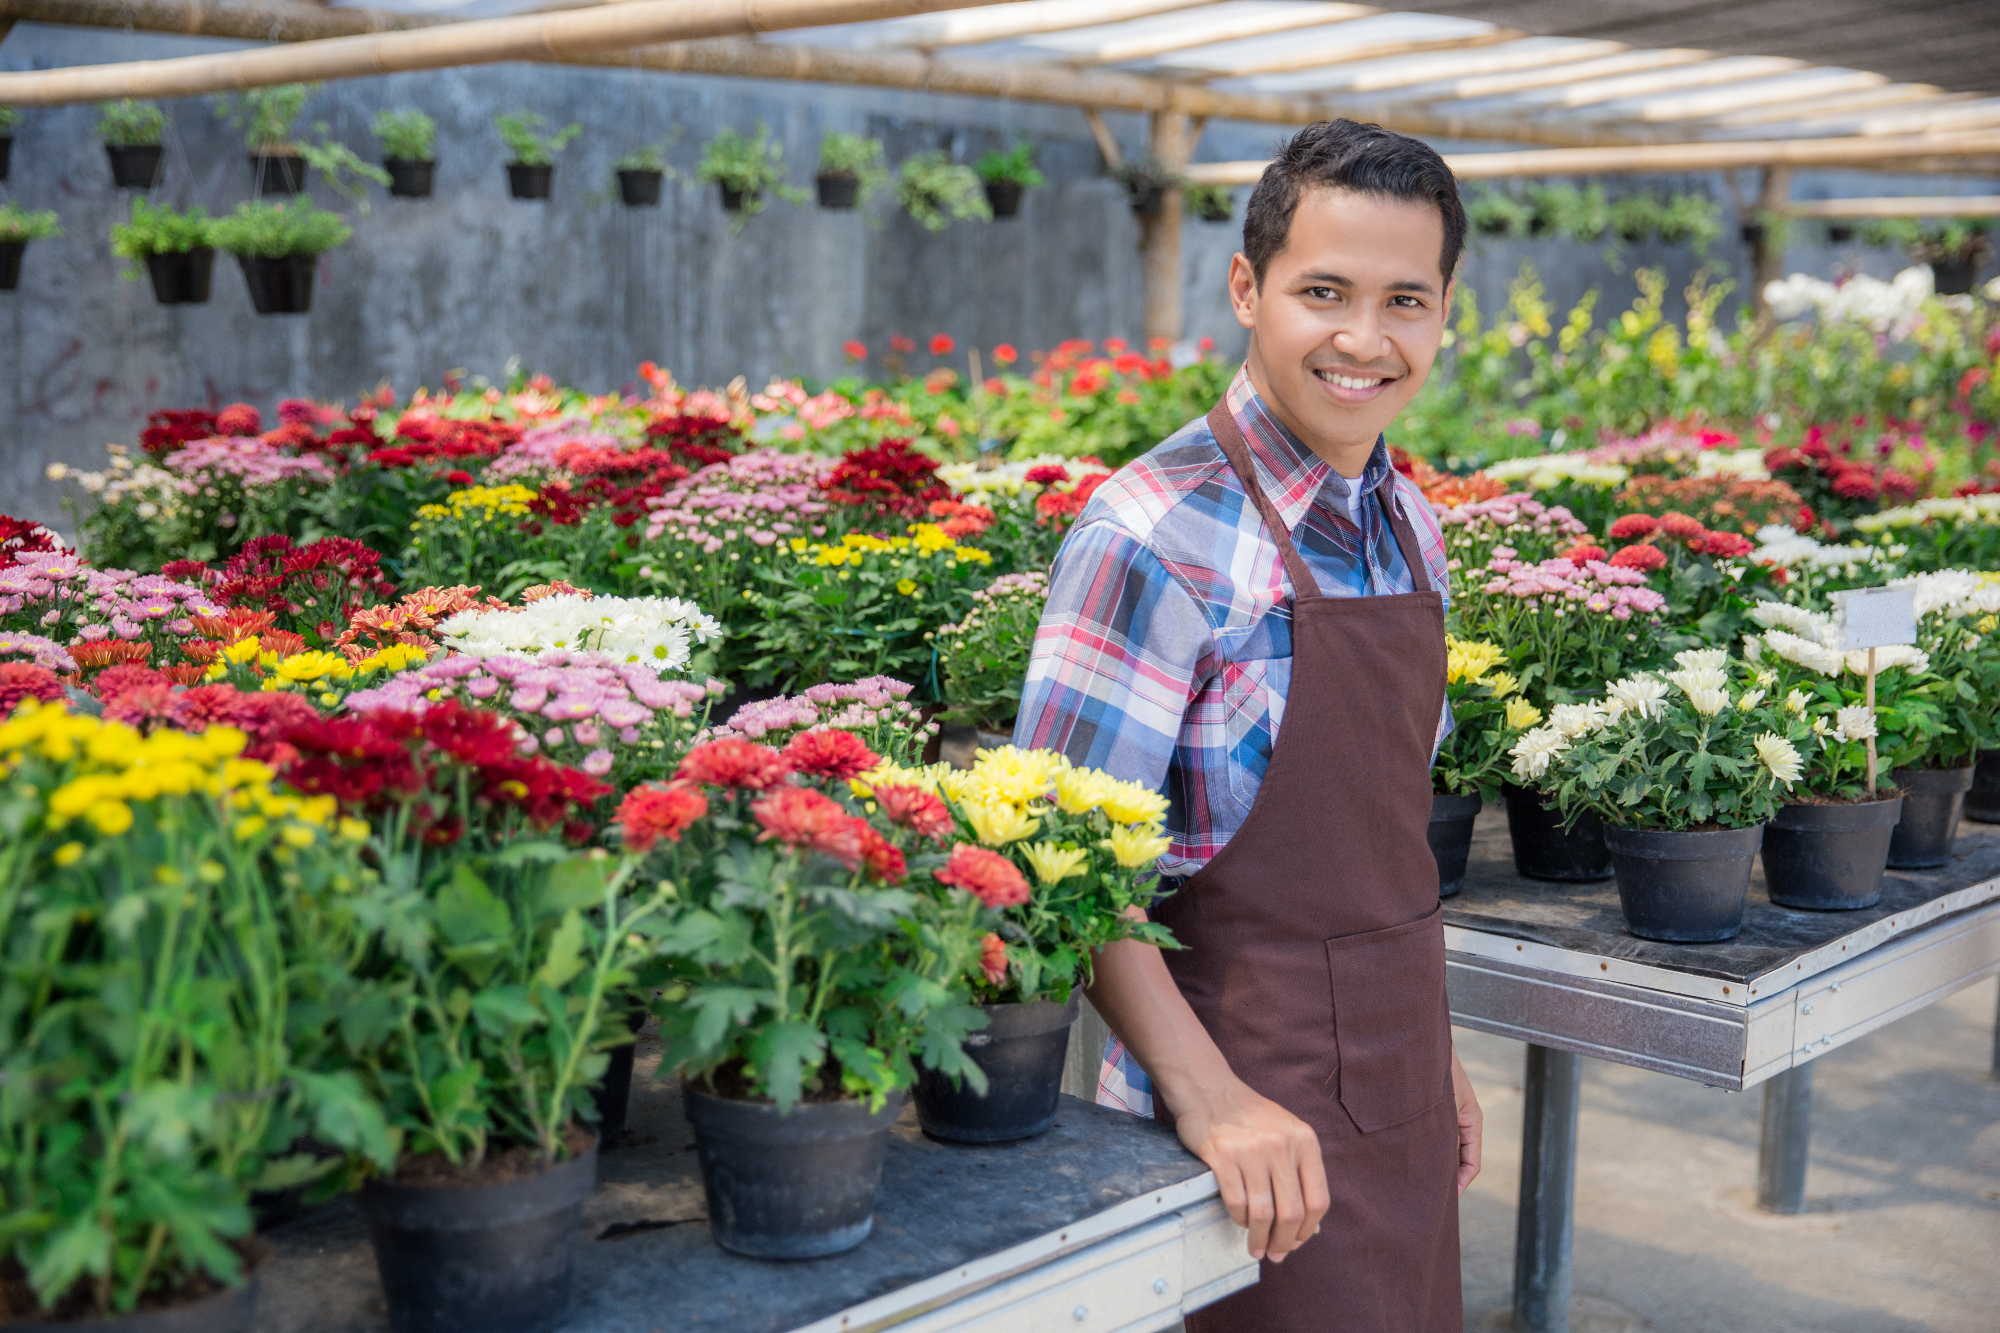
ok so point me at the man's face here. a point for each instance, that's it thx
(1347, 321)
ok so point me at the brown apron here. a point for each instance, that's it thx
(1315, 955)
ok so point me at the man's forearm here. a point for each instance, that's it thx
(1137, 997)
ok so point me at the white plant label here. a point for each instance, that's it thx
(1877, 617)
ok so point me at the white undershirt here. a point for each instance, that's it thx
(1354, 498)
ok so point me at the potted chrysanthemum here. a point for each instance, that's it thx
(1487, 713)
(131, 131)
(800, 981)
(1958, 612)
(1684, 767)
(1062, 853)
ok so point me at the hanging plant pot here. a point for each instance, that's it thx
(1146, 200)
(1004, 198)
(1753, 234)
(793, 1186)
(1983, 801)
(409, 177)
(1829, 858)
(182, 277)
(639, 187)
(1684, 887)
(1933, 798)
(838, 191)
(278, 173)
(479, 1258)
(281, 285)
(733, 197)
(1215, 212)
(1544, 849)
(6, 151)
(1022, 1050)
(1452, 816)
(527, 181)
(10, 264)
(134, 166)
(1839, 235)
(1954, 277)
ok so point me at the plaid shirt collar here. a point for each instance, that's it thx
(1290, 473)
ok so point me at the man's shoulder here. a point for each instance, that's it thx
(1153, 492)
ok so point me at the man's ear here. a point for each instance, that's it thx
(1243, 290)
(1450, 291)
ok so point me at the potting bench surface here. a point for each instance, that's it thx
(1103, 1223)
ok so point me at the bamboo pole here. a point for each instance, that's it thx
(1767, 254)
(549, 36)
(1160, 237)
(1963, 206)
(255, 20)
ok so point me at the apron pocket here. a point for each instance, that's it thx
(1390, 1022)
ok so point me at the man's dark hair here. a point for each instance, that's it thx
(1344, 155)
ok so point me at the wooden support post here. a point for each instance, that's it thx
(1768, 254)
(1160, 237)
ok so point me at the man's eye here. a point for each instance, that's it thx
(1409, 302)
(1320, 293)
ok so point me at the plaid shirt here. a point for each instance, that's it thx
(1165, 653)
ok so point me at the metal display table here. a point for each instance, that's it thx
(1103, 1224)
(1551, 964)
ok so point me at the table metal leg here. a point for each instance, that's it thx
(1785, 1142)
(1545, 1224)
(1996, 1041)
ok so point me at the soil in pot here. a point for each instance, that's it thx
(1983, 801)
(529, 182)
(183, 276)
(202, 1306)
(837, 192)
(640, 188)
(278, 173)
(1022, 1050)
(409, 177)
(1004, 198)
(488, 1252)
(280, 286)
(1933, 798)
(793, 1186)
(10, 264)
(1452, 816)
(134, 166)
(1545, 849)
(1684, 887)
(733, 198)
(1830, 857)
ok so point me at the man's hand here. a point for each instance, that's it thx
(1471, 1125)
(1266, 1160)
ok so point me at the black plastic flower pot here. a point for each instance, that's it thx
(10, 264)
(1222, 213)
(229, 1310)
(281, 285)
(1983, 801)
(1451, 837)
(613, 1096)
(639, 187)
(837, 191)
(1022, 1050)
(134, 166)
(1752, 233)
(1933, 798)
(479, 1258)
(1146, 200)
(1954, 278)
(1004, 198)
(182, 277)
(793, 1186)
(1544, 849)
(1839, 235)
(526, 181)
(278, 173)
(1829, 858)
(732, 197)
(1684, 887)
(409, 177)
(6, 152)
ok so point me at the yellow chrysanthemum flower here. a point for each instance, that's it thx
(1132, 803)
(997, 823)
(1053, 864)
(1136, 846)
(1502, 684)
(1080, 790)
(1013, 774)
(313, 665)
(1521, 715)
(1468, 660)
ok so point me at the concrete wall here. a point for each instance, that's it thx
(580, 286)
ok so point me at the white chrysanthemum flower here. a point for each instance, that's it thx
(1698, 678)
(1574, 720)
(658, 632)
(1703, 659)
(1644, 695)
(1939, 590)
(1796, 701)
(1854, 723)
(1534, 750)
(1806, 653)
(1780, 757)
(1813, 626)
(1708, 702)
(1748, 700)
(1911, 658)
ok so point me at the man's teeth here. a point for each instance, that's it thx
(1348, 381)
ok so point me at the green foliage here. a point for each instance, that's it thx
(1210, 203)
(265, 115)
(28, 224)
(277, 230)
(1016, 166)
(934, 190)
(1587, 215)
(1497, 213)
(985, 656)
(1934, 241)
(334, 161)
(1638, 217)
(1565, 211)
(407, 134)
(9, 118)
(531, 148)
(1692, 220)
(753, 165)
(647, 157)
(159, 229)
(1908, 722)
(130, 123)
(842, 154)
(1474, 756)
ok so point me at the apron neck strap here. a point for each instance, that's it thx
(1223, 423)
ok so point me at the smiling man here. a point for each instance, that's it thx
(1251, 618)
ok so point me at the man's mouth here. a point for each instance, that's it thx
(1349, 387)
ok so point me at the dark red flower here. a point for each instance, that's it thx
(471, 735)
(1640, 557)
(1728, 545)
(923, 813)
(24, 680)
(1628, 526)
(1684, 526)
(891, 478)
(1855, 483)
(987, 876)
(1048, 474)
(735, 762)
(826, 753)
(811, 821)
(659, 810)
(1583, 553)
(883, 860)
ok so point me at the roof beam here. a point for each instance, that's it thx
(1509, 56)
(1027, 19)
(1323, 56)
(1986, 111)
(268, 21)
(1207, 30)
(1629, 62)
(1893, 96)
(1962, 206)
(1699, 106)
(1700, 74)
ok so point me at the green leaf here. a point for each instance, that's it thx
(344, 1115)
(783, 1054)
(576, 882)
(565, 958)
(503, 1009)
(719, 1008)
(468, 911)
(82, 1247)
(521, 853)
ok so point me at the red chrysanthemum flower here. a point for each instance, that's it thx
(987, 876)
(993, 959)
(942, 344)
(812, 821)
(25, 680)
(238, 419)
(1048, 474)
(1727, 544)
(1680, 525)
(923, 813)
(471, 735)
(735, 762)
(659, 810)
(1629, 526)
(1004, 354)
(855, 349)
(882, 858)
(1583, 553)
(1640, 557)
(826, 753)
